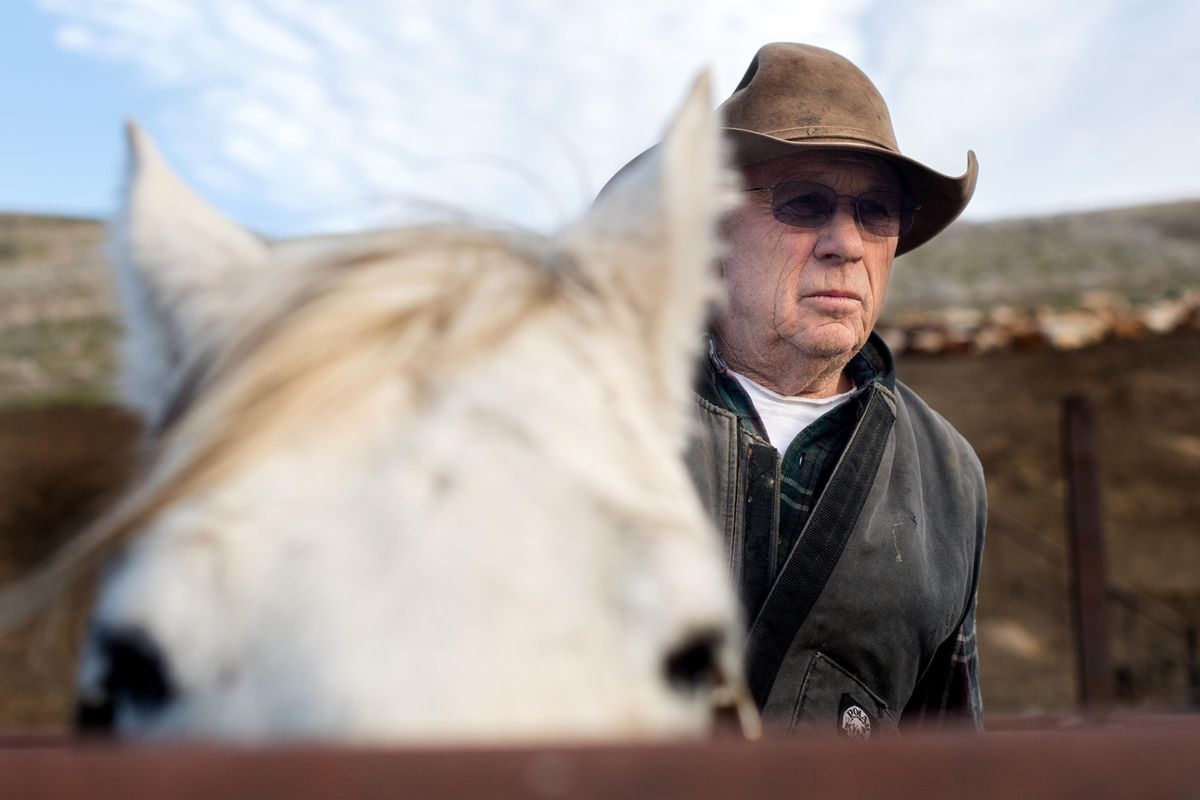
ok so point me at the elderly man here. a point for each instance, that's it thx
(854, 515)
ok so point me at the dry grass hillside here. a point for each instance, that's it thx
(56, 310)
(57, 299)
(1142, 253)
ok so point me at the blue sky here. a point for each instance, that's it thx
(300, 115)
(59, 143)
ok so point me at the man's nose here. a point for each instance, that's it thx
(840, 239)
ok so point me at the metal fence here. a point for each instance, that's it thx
(1148, 760)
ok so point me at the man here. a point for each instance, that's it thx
(854, 514)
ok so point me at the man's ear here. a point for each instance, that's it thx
(181, 273)
(652, 237)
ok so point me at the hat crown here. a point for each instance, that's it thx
(799, 92)
(796, 98)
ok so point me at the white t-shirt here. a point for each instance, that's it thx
(784, 417)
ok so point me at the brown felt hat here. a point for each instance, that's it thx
(797, 97)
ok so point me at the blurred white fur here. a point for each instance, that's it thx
(418, 485)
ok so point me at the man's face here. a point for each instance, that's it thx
(807, 293)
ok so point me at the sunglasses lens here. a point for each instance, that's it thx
(884, 213)
(810, 205)
(803, 205)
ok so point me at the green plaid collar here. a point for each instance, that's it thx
(873, 363)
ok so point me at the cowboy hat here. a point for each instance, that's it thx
(796, 97)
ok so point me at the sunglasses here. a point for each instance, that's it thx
(803, 204)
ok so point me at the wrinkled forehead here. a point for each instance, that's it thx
(844, 170)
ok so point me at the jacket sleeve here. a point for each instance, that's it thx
(948, 693)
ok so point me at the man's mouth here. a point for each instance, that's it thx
(834, 294)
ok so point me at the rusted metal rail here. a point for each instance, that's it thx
(1146, 761)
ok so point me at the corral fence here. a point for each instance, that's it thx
(1153, 650)
(1127, 647)
(1150, 759)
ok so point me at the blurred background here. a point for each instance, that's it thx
(1075, 270)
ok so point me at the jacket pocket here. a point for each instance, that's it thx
(832, 700)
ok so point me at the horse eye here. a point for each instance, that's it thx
(693, 665)
(135, 677)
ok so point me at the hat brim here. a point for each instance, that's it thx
(941, 198)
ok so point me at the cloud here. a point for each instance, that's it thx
(300, 114)
(516, 110)
(1061, 101)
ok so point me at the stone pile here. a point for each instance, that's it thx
(1099, 316)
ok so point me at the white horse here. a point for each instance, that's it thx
(416, 485)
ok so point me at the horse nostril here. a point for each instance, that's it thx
(692, 666)
(135, 677)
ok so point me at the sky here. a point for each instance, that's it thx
(302, 116)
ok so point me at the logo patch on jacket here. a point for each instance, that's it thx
(854, 721)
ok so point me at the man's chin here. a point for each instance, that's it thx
(830, 345)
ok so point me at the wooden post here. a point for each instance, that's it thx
(1088, 574)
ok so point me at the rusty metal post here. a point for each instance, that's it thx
(1193, 669)
(1085, 533)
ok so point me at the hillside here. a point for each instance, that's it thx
(56, 310)
(56, 298)
(1142, 253)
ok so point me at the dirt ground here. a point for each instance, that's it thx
(58, 465)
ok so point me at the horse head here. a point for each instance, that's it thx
(422, 484)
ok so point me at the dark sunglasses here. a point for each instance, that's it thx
(803, 204)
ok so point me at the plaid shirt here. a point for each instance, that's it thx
(948, 693)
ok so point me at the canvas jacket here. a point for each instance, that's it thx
(871, 614)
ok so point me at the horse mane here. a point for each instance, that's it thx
(405, 304)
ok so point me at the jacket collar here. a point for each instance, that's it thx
(872, 364)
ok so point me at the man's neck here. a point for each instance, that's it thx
(790, 375)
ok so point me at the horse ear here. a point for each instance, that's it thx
(181, 270)
(652, 237)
